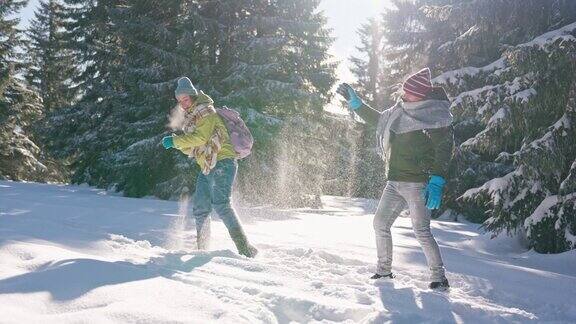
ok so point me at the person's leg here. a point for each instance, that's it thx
(420, 215)
(201, 211)
(389, 207)
(224, 174)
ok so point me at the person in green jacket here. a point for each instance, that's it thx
(415, 139)
(207, 141)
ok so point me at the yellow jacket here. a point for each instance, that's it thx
(202, 133)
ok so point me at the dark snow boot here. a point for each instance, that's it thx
(379, 276)
(439, 285)
(244, 248)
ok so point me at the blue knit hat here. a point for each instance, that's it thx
(185, 86)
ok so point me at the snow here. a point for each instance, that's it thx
(142, 143)
(552, 36)
(498, 189)
(543, 210)
(502, 113)
(473, 141)
(474, 95)
(18, 130)
(72, 254)
(568, 180)
(499, 66)
(254, 115)
(546, 140)
(493, 187)
(455, 75)
(444, 47)
(474, 30)
(524, 95)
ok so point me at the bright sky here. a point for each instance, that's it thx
(344, 18)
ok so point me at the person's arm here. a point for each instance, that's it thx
(357, 105)
(199, 136)
(368, 114)
(443, 142)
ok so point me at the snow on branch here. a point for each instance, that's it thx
(543, 40)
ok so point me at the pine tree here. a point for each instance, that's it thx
(271, 58)
(10, 63)
(512, 158)
(151, 64)
(551, 227)
(275, 56)
(404, 34)
(132, 52)
(93, 36)
(76, 132)
(20, 109)
(447, 34)
(515, 158)
(51, 66)
(122, 116)
(529, 197)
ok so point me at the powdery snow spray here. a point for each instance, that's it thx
(175, 239)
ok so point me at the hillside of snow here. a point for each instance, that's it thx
(72, 254)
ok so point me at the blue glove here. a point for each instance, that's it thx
(346, 91)
(433, 192)
(168, 142)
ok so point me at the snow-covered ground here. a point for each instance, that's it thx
(78, 254)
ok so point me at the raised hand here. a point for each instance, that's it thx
(346, 91)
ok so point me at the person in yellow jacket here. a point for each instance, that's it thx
(207, 141)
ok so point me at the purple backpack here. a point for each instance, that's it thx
(240, 135)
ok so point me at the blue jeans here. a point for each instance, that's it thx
(396, 197)
(214, 191)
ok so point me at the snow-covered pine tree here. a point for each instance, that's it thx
(96, 45)
(294, 35)
(133, 51)
(201, 41)
(275, 59)
(271, 57)
(124, 100)
(513, 148)
(475, 33)
(18, 103)
(78, 132)
(20, 109)
(445, 34)
(515, 158)
(527, 121)
(138, 165)
(551, 227)
(408, 38)
(51, 65)
(115, 130)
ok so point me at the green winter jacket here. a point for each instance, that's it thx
(415, 156)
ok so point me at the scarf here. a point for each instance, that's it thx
(405, 117)
(206, 155)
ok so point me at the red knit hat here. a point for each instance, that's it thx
(418, 84)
